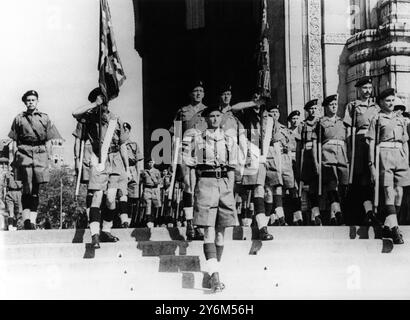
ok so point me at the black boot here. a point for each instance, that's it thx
(397, 236)
(108, 237)
(199, 234)
(282, 222)
(387, 233)
(317, 221)
(125, 225)
(28, 225)
(264, 235)
(216, 285)
(95, 241)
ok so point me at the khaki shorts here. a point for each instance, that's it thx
(394, 168)
(335, 170)
(85, 173)
(32, 166)
(112, 177)
(152, 196)
(281, 176)
(214, 203)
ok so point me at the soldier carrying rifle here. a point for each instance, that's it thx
(388, 161)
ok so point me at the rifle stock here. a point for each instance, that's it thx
(353, 134)
(302, 155)
(377, 167)
(319, 151)
(80, 169)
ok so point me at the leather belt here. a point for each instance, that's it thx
(334, 142)
(213, 174)
(391, 145)
(10, 189)
(32, 143)
(150, 187)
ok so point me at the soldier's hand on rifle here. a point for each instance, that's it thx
(99, 101)
(373, 174)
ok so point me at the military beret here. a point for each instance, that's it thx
(363, 81)
(94, 94)
(208, 110)
(329, 99)
(311, 103)
(293, 113)
(401, 107)
(406, 114)
(29, 93)
(195, 84)
(274, 107)
(224, 88)
(388, 92)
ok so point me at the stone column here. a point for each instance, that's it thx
(383, 49)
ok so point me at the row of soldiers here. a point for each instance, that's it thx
(323, 155)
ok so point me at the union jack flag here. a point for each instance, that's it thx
(264, 83)
(110, 68)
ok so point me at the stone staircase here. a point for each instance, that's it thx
(301, 262)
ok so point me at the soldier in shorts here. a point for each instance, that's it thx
(129, 190)
(308, 164)
(13, 199)
(390, 132)
(151, 178)
(109, 162)
(30, 131)
(335, 164)
(211, 157)
(358, 115)
(190, 117)
(80, 139)
(279, 175)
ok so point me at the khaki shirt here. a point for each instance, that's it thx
(305, 131)
(331, 129)
(365, 112)
(191, 117)
(36, 127)
(151, 177)
(216, 149)
(391, 128)
(93, 130)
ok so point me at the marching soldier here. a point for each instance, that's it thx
(130, 188)
(335, 168)
(211, 157)
(388, 161)
(358, 115)
(164, 186)
(151, 178)
(255, 122)
(13, 199)
(279, 176)
(190, 117)
(307, 159)
(30, 131)
(109, 162)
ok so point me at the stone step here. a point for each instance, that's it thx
(165, 234)
(232, 248)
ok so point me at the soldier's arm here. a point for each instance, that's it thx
(370, 138)
(246, 105)
(124, 156)
(80, 111)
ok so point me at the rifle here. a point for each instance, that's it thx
(377, 166)
(319, 151)
(178, 200)
(302, 155)
(177, 142)
(353, 134)
(80, 169)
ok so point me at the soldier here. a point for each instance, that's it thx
(335, 167)
(190, 117)
(129, 192)
(390, 165)
(13, 199)
(30, 131)
(307, 159)
(279, 176)
(151, 178)
(80, 140)
(165, 183)
(253, 179)
(358, 115)
(211, 157)
(109, 162)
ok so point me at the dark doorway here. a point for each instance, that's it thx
(223, 50)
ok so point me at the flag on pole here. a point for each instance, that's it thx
(264, 83)
(109, 64)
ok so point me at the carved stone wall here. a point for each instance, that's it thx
(383, 51)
